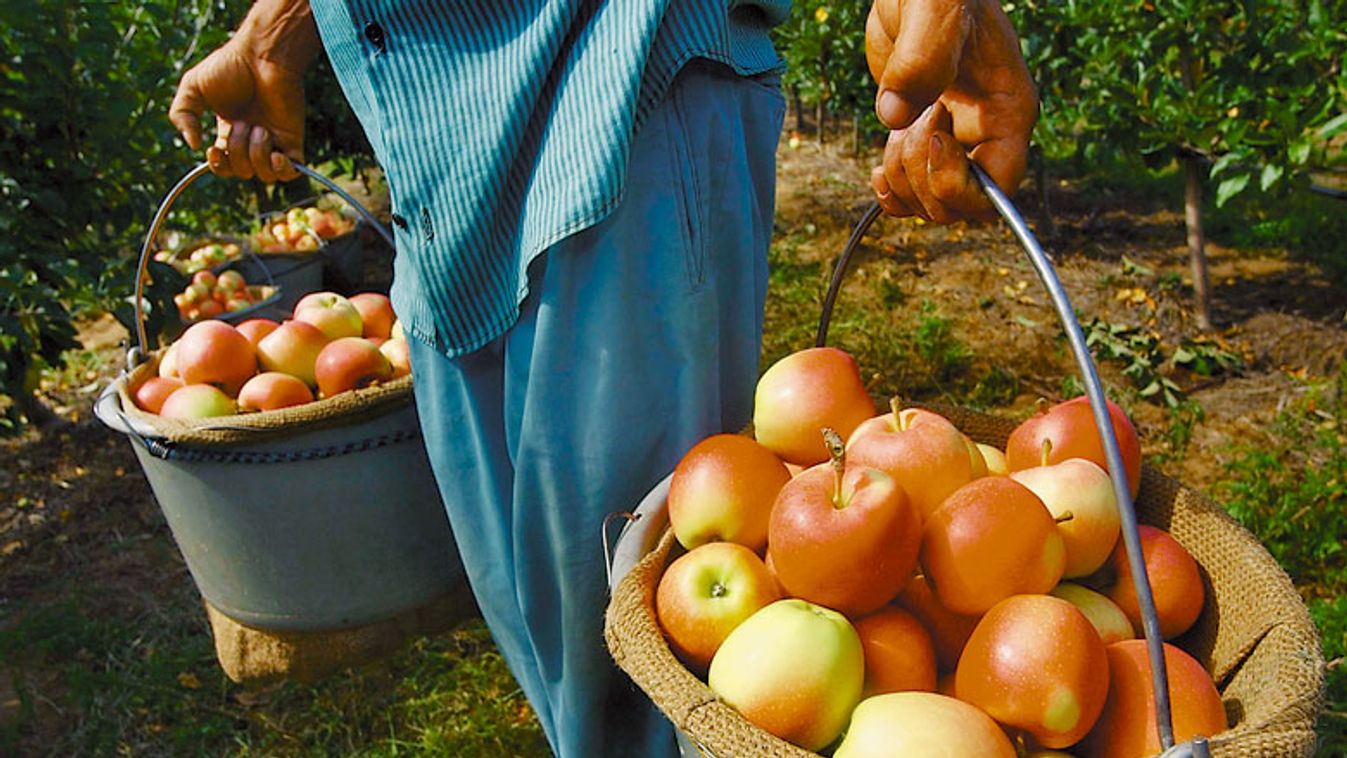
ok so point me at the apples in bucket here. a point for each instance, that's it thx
(909, 559)
(329, 347)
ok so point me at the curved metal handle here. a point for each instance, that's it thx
(1103, 423)
(138, 353)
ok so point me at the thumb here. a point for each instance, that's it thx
(185, 113)
(924, 60)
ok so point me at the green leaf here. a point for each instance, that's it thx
(1270, 176)
(1335, 126)
(1299, 152)
(1228, 188)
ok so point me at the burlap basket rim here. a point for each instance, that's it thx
(263, 426)
(639, 648)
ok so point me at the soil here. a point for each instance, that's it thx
(76, 510)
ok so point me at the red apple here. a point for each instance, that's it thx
(256, 328)
(899, 655)
(949, 630)
(922, 450)
(801, 394)
(922, 724)
(152, 392)
(195, 401)
(1035, 663)
(706, 593)
(794, 669)
(349, 363)
(1080, 495)
(210, 308)
(205, 279)
(1176, 582)
(230, 281)
(376, 313)
(331, 313)
(992, 538)
(399, 355)
(1070, 430)
(292, 348)
(1126, 727)
(168, 362)
(844, 536)
(213, 352)
(723, 490)
(271, 390)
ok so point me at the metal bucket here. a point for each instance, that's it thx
(314, 530)
(645, 525)
(299, 527)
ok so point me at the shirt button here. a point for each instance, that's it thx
(375, 34)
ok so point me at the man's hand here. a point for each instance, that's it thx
(951, 82)
(254, 84)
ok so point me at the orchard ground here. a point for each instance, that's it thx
(105, 649)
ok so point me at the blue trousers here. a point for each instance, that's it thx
(640, 336)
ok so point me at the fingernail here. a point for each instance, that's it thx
(880, 184)
(893, 110)
(937, 149)
(258, 134)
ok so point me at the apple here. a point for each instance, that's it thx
(399, 355)
(271, 390)
(230, 281)
(292, 348)
(256, 328)
(349, 363)
(899, 655)
(949, 630)
(376, 313)
(992, 538)
(922, 450)
(396, 332)
(995, 460)
(844, 536)
(195, 401)
(205, 279)
(168, 362)
(1070, 429)
(977, 463)
(1035, 663)
(801, 394)
(794, 669)
(707, 592)
(1176, 582)
(1079, 494)
(152, 392)
(331, 313)
(1108, 619)
(210, 308)
(213, 352)
(1127, 725)
(723, 490)
(921, 724)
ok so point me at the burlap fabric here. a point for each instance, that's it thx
(1255, 635)
(257, 656)
(343, 408)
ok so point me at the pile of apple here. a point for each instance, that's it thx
(209, 296)
(301, 229)
(203, 257)
(331, 344)
(889, 587)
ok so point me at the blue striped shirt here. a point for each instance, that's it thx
(504, 126)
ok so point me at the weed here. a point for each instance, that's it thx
(1331, 618)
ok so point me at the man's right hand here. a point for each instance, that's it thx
(254, 84)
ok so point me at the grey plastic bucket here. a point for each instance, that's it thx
(314, 530)
(296, 274)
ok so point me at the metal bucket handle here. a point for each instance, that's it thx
(1095, 392)
(138, 353)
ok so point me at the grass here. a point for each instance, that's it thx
(1291, 492)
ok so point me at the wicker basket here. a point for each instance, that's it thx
(1254, 635)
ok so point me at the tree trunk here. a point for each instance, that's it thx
(855, 134)
(1192, 216)
(799, 109)
(820, 113)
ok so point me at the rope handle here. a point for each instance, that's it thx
(138, 353)
(1103, 423)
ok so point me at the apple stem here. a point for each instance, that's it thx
(895, 405)
(1042, 405)
(1066, 516)
(1047, 451)
(837, 451)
